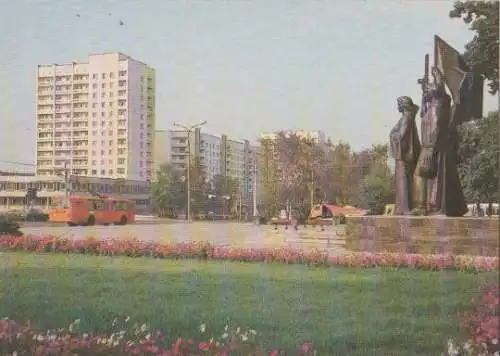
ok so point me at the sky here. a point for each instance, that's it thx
(246, 67)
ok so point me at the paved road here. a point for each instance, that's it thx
(230, 234)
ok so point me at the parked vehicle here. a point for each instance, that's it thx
(326, 214)
(36, 215)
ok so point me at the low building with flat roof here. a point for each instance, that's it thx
(51, 190)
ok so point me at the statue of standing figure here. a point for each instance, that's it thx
(405, 149)
(441, 192)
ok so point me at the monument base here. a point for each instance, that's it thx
(423, 235)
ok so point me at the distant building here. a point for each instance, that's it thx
(96, 118)
(219, 154)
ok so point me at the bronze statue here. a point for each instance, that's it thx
(441, 192)
(405, 149)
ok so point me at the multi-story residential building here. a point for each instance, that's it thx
(96, 118)
(172, 147)
(219, 154)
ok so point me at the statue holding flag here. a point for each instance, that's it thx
(441, 192)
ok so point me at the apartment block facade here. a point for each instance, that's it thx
(219, 154)
(96, 118)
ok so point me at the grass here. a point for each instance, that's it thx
(343, 311)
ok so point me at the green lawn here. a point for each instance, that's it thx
(343, 311)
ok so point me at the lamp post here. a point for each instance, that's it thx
(188, 130)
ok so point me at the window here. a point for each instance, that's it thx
(94, 143)
(94, 123)
(103, 85)
(94, 162)
(94, 85)
(94, 132)
(111, 75)
(110, 104)
(110, 143)
(102, 104)
(110, 171)
(110, 162)
(102, 161)
(121, 160)
(94, 171)
(94, 76)
(111, 85)
(110, 94)
(103, 113)
(103, 94)
(110, 152)
(110, 114)
(93, 105)
(120, 171)
(103, 75)
(94, 95)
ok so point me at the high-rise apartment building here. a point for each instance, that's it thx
(96, 118)
(219, 154)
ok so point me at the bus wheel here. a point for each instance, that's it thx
(71, 224)
(91, 221)
(123, 220)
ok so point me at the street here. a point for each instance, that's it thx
(228, 234)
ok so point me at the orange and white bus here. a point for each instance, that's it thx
(88, 210)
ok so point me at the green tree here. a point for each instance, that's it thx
(479, 152)
(199, 186)
(482, 51)
(168, 191)
(376, 189)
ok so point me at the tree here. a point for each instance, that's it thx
(168, 191)
(198, 186)
(479, 151)
(376, 190)
(481, 52)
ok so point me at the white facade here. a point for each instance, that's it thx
(172, 147)
(210, 152)
(96, 118)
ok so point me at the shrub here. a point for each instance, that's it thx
(9, 226)
(207, 251)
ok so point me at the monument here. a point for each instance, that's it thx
(430, 203)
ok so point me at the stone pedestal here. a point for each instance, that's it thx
(423, 234)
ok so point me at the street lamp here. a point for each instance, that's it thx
(188, 130)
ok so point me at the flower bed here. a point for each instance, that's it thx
(207, 251)
(482, 323)
(127, 339)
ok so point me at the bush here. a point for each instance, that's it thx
(207, 251)
(9, 226)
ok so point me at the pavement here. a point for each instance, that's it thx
(220, 233)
